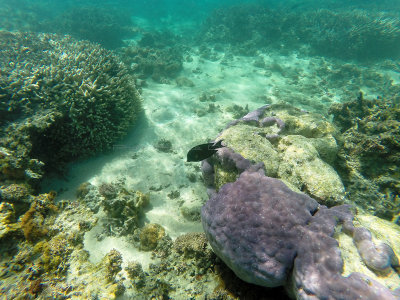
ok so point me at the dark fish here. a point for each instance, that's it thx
(203, 151)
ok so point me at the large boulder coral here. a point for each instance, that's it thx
(261, 230)
(252, 225)
(60, 99)
(270, 235)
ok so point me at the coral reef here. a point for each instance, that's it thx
(157, 55)
(368, 156)
(247, 26)
(25, 15)
(355, 34)
(57, 104)
(183, 268)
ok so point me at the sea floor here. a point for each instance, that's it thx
(193, 110)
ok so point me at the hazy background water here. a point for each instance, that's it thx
(36, 15)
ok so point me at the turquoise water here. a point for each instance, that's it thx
(100, 103)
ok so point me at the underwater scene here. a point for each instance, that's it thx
(182, 149)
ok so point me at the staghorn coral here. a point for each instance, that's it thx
(61, 99)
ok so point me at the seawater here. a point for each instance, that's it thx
(196, 66)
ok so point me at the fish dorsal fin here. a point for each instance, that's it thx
(217, 145)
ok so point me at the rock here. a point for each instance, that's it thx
(184, 82)
(302, 167)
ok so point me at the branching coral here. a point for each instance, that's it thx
(70, 98)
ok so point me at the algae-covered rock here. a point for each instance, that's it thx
(300, 150)
(33, 222)
(382, 232)
(16, 193)
(302, 167)
(245, 139)
(149, 236)
(8, 222)
(123, 206)
(54, 253)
